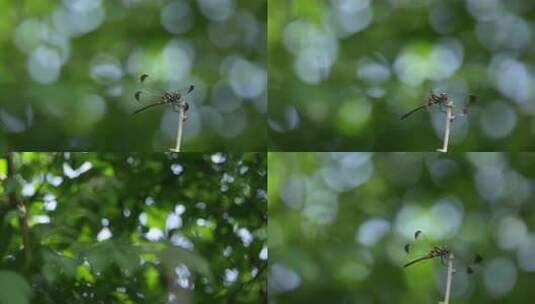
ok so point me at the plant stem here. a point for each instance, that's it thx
(449, 118)
(23, 214)
(179, 130)
(448, 283)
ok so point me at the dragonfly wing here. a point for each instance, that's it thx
(471, 100)
(191, 87)
(418, 247)
(138, 95)
(185, 91)
(147, 89)
(407, 248)
(471, 267)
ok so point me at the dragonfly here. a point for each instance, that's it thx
(441, 252)
(174, 98)
(471, 100)
(440, 99)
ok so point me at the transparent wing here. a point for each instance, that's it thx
(184, 92)
(146, 94)
(429, 101)
(476, 261)
(417, 249)
(472, 99)
(419, 244)
(152, 98)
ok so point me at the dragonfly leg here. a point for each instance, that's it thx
(443, 107)
(178, 106)
(175, 107)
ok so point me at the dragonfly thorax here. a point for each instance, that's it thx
(174, 98)
(440, 251)
(171, 97)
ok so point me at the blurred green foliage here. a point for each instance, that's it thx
(69, 70)
(341, 73)
(133, 228)
(338, 223)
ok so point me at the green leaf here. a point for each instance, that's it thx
(50, 272)
(174, 256)
(126, 257)
(13, 288)
(152, 277)
(156, 217)
(84, 274)
(99, 256)
(56, 264)
(11, 185)
(3, 167)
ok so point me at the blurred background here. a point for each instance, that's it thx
(133, 228)
(338, 223)
(342, 72)
(69, 70)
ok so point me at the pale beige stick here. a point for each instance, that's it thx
(449, 118)
(179, 130)
(448, 283)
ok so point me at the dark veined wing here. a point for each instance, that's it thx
(430, 100)
(156, 97)
(476, 261)
(418, 246)
(143, 77)
(190, 88)
(471, 100)
(151, 95)
(138, 95)
(146, 92)
(185, 91)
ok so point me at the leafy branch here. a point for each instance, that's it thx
(14, 201)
